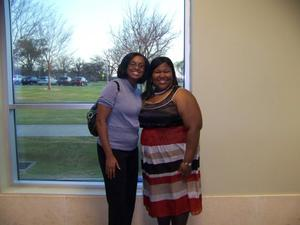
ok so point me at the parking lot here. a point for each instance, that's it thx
(44, 80)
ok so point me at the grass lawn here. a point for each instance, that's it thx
(51, 116)
(56, 158)
(58, 94)
(59, 158)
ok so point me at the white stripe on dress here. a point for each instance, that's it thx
(164, 154)
(167, 195)
(167, 174)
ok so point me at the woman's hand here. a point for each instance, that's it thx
(111, 165)
(185, 169)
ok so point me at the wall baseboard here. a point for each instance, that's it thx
(29, 209)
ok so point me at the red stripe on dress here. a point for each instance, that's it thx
(170, 179)
(173, 207)
(163, 136)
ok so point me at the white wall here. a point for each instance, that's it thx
(246, 76)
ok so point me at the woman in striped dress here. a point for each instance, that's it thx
(171, 121)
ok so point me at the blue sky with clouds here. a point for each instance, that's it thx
(91, 21)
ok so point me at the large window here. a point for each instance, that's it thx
(60, 55)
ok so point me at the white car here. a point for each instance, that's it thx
(43, 80)
(17, 78)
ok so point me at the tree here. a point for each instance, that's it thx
(179, 66)
(26, 16)
(112, 58)
(33, 20)
(57, 36)
(78, 66)
(92, 70)
(95, 69)
(63, 64)
(148, 33)
(28, 51)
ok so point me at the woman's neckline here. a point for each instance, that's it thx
(163, 91)
(157, 99)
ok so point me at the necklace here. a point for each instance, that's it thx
(163, 91)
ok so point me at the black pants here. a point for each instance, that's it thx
(121, 190)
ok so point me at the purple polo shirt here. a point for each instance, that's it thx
(123, 123)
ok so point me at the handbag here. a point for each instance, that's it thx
(91, 116)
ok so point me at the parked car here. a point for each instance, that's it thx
(29, 80)
(65, 80)
(79, 81)
(17, 79)
(43, 80)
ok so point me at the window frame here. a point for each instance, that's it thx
(9, 181)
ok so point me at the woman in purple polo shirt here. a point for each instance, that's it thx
(117, 124)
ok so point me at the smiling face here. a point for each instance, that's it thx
(162, 77)
(135, 69)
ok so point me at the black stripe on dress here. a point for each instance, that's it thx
(167, 167)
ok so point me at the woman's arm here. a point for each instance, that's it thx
(190, 112)
(111, 163)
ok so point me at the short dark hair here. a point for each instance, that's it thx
(122, 68)
(155, 63)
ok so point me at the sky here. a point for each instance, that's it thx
(92, 20)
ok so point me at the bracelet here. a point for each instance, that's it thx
(189, 164)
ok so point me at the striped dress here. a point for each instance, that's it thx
(163, 140)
